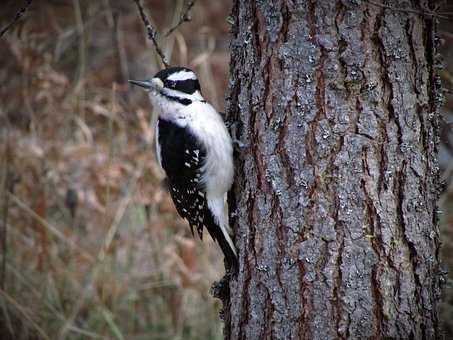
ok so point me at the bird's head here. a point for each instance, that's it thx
(177, 85)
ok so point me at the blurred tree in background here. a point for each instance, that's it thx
(91, 243)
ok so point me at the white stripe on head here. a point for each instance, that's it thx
(182, 75)
(193, 97)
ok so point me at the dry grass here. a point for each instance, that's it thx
(94, 247)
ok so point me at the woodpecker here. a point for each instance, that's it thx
(195, 150)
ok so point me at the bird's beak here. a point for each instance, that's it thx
(153, 84)
(143, 83)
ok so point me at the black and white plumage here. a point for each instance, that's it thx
(194, 148)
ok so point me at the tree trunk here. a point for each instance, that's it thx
(336, 190)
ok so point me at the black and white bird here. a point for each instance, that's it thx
(195, 150)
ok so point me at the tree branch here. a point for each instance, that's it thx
(151, 33)
(16, 18)
(185, 16)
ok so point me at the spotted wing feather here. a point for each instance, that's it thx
(182, 159)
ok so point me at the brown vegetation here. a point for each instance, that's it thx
(94, 246)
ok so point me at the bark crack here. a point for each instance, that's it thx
(375, 241)
(399, 193)
(340, 239)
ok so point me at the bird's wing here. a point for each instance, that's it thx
(182, 158)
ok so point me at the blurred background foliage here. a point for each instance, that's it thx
(91, 244)
(94, 246)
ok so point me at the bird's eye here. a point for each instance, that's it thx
(171, 84)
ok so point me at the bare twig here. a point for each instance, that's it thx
(151, 33)
(428, 13)
(81, 65)
(16, 18)
(185, 16)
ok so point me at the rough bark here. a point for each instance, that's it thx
(336, 190)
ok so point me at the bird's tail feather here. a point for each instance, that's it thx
(220, 234)
(229, 250)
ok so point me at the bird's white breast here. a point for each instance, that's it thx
(208, 127)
